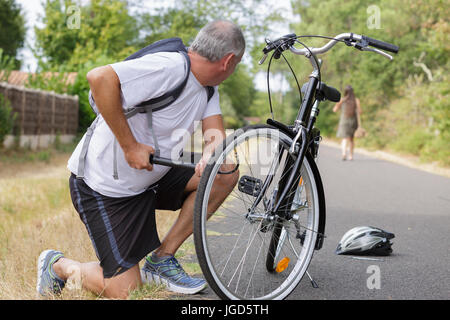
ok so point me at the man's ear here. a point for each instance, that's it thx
(226, 61)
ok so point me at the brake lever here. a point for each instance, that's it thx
(262, 59)
(384, 54)
(363, 46)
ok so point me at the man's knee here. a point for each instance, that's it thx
(227, 181)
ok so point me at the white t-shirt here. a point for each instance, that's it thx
(142, 79)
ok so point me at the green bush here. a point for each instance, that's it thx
(232, 122)
(411, 141)
(7, 118)
(327, 121)
(438, 149)
(81, 89)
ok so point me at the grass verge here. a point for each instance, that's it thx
(36, 214)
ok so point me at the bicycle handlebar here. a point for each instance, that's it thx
(352, 39)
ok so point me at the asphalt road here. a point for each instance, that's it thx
(412, 204)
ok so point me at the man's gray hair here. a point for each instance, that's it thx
(217, 39)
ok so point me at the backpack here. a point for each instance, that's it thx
(149, 106)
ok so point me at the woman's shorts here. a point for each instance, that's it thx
(123, 230)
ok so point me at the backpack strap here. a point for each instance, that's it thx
(165, 45)
(84, 148)
(150, 126)
(163, 101)
(169, 97)
(210, 92)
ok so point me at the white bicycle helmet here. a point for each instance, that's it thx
(365, 241)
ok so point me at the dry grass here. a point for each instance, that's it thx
(36, 214)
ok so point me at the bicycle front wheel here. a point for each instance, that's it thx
(245, 250)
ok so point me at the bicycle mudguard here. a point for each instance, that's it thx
(281, 126)
(322, 209)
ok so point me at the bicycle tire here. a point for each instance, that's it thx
(276, 235)
(206, 241)
(278, 230)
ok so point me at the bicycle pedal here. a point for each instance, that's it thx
(249, 185)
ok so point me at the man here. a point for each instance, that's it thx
(119, 212)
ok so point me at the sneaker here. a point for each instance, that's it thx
(48, 283)
(170, 273)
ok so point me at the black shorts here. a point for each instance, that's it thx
(123, 230)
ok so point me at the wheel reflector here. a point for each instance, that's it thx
(282, 265)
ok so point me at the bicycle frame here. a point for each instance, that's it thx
(303, 125)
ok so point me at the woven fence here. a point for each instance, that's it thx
(41, 114)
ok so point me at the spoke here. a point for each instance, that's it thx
(234, 247)
(292, 247)
(254, 267)
(239, 197)
(241, 262)
(245, 258)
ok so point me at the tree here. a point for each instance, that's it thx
(188, 17)
(12, 28)
(405, 101)
(105, 28)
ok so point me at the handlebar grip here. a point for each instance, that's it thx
(281, 44)
(381, 44)
(330, 93)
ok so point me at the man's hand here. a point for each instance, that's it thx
(201, 165)
(138, 156)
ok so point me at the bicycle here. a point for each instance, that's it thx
(260, 241)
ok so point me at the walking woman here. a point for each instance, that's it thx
(348, 122)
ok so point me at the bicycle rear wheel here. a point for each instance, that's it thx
(244, 250)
